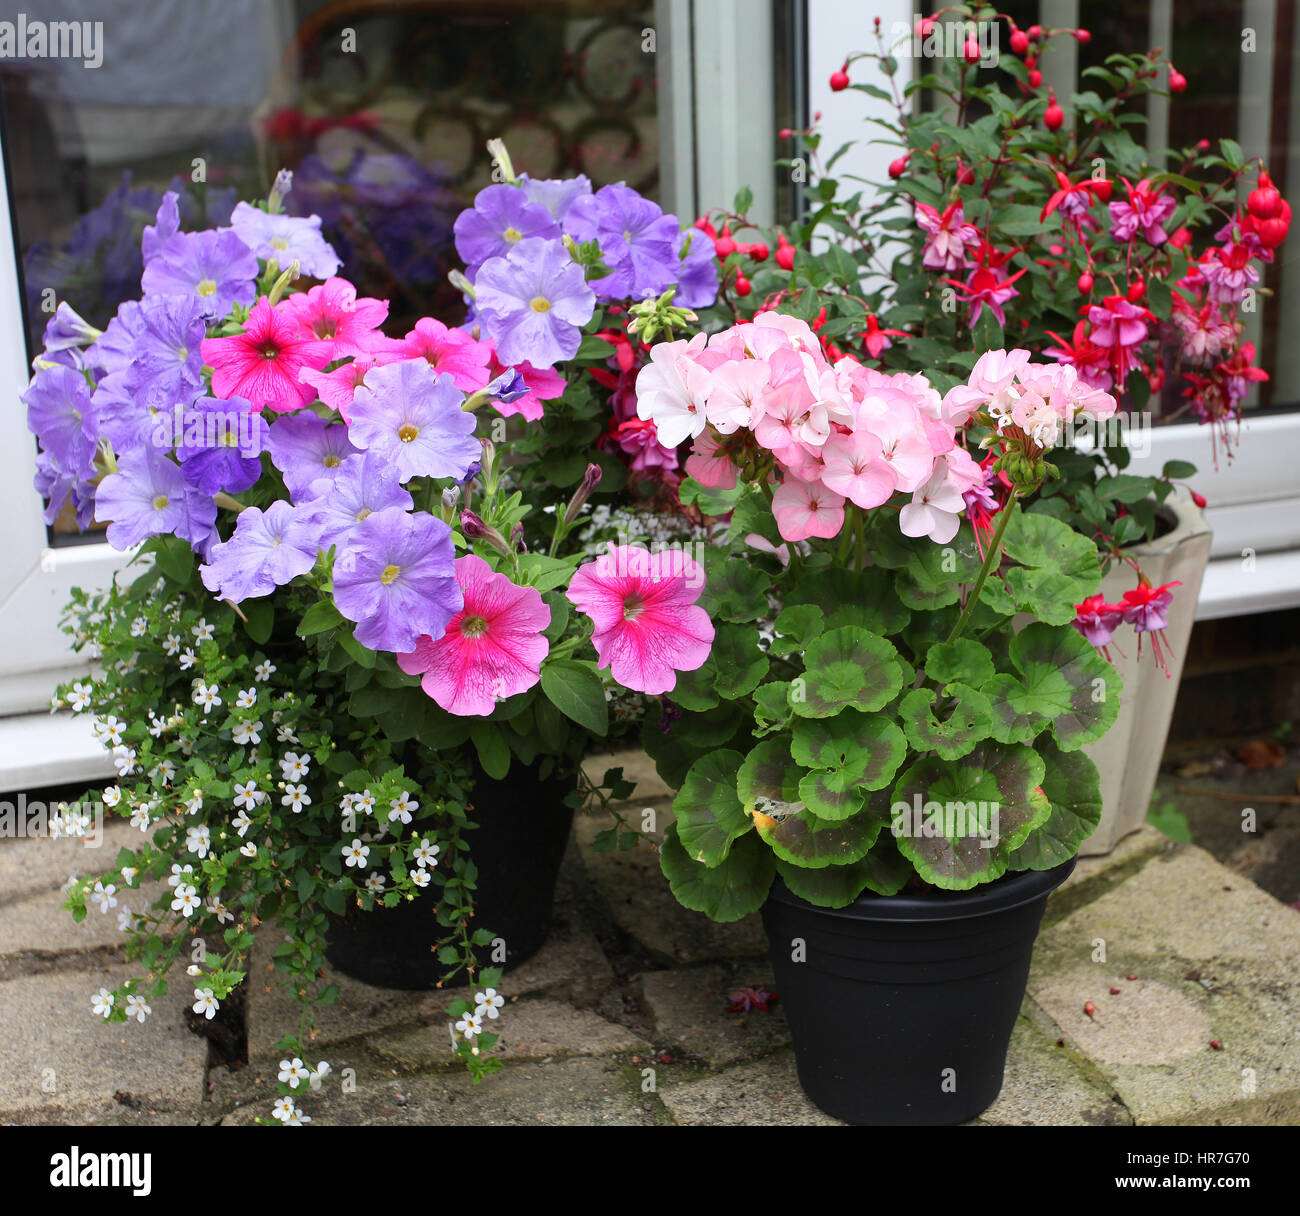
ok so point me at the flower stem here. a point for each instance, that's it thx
(991, 558)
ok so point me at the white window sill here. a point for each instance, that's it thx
(37, 750)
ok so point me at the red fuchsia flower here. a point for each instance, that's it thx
(1097, 621)
(989, 284)
(647, 624)
(1203, 333)
(1238, 375)
(1144, 608)
(1119, 325)
(445, 350)
(332, 313)
(982, 504)
(877, 340)
(1146, 212)
(948, 236)
(492, 649)
(1271, 232)
(1090, 361)
(1228, 273)
(1076, 199)
(746, 1000)
(262, 364)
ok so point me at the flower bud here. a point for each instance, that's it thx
(475, 528)
(590, 480)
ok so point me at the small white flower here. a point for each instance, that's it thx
(156, 725)
(293, 1072)
(186, 902)
(223, 914)
(205, 1003)
(249, 796)
(488, 1003)
(198, 840)
(284, 1109)
(470, 1025)
(102, 1003)
(79, 697)
(195, 803)
(295, 797)
(426, 854)
(138, 627)
(247, 698)
(203, 632)
(128, 875)
(295, 1118)
(124, 760)
(321, 1071)
(402, 807)
(105, 896)
(111, 795)
(285, 734)
(167, 770)
(249, 849)
(178, 874)
(125, 919)
(375, 881)
(242, 823)
(137, 1007)
(247, 732)
(188, 659)
(364, 803)
(264, 670)
(109, 729)
(207, 696)
(194, 971)
(171, 644)
(140, 817)
(355, 854)
(67, 886)
(420, 877)
(294, 766)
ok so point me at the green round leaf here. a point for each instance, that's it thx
(803, 839)
(707, 809)
(734, 888)
(969, 719)
(738, 663)
(1073, 787)
(848, 668)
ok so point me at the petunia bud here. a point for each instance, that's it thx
(590, 480)
(475, 528)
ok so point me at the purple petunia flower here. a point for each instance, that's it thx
(638, 242)
(268, 549)
(218, 443)
(148, 496)
(364, 484)
(284, 239)
(557, 195)
(507, 388)
(166, 363)
(501, 217)
(58, 486)
(166, 225)
(61, 415)
(413, 416)
(397, 580)
(67, 330)
(697, 273)
(214, 267)
(534, 303)
(305, 448)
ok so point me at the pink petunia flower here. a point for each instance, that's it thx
(445, 350)
(647, 624)
(493, 647)
(337, 388)
(332, 313)
(263, 363)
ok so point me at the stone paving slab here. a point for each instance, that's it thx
(30, 866)
(763, 1093)
(55, 1055)
(39, 924)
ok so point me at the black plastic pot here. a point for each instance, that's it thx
(523, 828)
(903, 1008)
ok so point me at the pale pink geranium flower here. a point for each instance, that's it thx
(855, 467)
(735, 398)
(804, 509)
(671, 390)
(493, 647)
(332, 313)
(935, 509)
(707, 467)
(647, 624)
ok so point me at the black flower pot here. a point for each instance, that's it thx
(903, 1007)
(523, 828)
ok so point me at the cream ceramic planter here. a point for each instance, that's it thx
(1128, 755)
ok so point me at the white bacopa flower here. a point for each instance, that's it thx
(470, 1025)
(137, 1007)
(264, 670)
(166, 769)
(138, 627)
(375, 881)
(125, 919)
(56, 826)
(177, 876)
(198, 840)
(109, 729)
(203, 632)
(295, 1118)
(105, 896)
(249, 849)
(156, 725)
(102, 1003)
(67, 886)
(295, 797)
(242, 823)
(402, 807)
(247, 732)
(79, 697)
(246, 699)
(355, 854)
(294, 766)
(140, 817)
(488, 1003)
(426, 854)
(188, 659)
(195, 803)
(171, 644)
(248, 795)
(194, 971)
(223, 914)
(124, 760)
(321, 1071)
(293, 1072)
(364, 803)
(283, 1109)
(285, 734)
(420, 877)
(205, 1003)
(111, 795)
(187, 901)
(128, 875)
(206, 695)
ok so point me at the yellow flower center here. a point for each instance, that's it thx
(206, 287)
(332, 461)
(278, 242)
(540, 304)
(408, 433)
(160, 502)
(362, 514)
(512, 235)
(390, 573)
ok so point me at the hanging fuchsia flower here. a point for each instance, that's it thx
(1097, 620)
(1203, 333)
(948, 235)
(1146, 211)
(989, 284)
(877, 340)
(1238, 374)
(1090, 361)
(1119, 327)
(332, 313)
(263, 363)
(647, 624)
(493, 647)
(1144, 608)
(1228, 273)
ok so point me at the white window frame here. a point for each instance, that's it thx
(1254, 499)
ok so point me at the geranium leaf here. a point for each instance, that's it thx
(848, 668)
(694, 689)
(772, 707)
(964, 660)
(865, 598)
(707, 808)
(829, 886)
(768, 779)
(1073, 787)
(969, 719)
(739, 665)
(735, 590)
(851, 749)
(734, 888)
(796, 626)
(1057, 567)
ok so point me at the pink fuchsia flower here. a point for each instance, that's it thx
(647, 624)
(332, 313)
(804, 508)
(877, 340)
(988, 285)
(1237, 373)
(1203, 333)
(493, 647)
(935, 509)
(854, 467)
(1090, 361)
(1228, 274)
(638, 439)
(947, 236)
(1144, 608)
(745, 1000)
(1146, 211)
(1097, 620)
(444, 349)
(263, 363)
(1119, 326)
(707, 466)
